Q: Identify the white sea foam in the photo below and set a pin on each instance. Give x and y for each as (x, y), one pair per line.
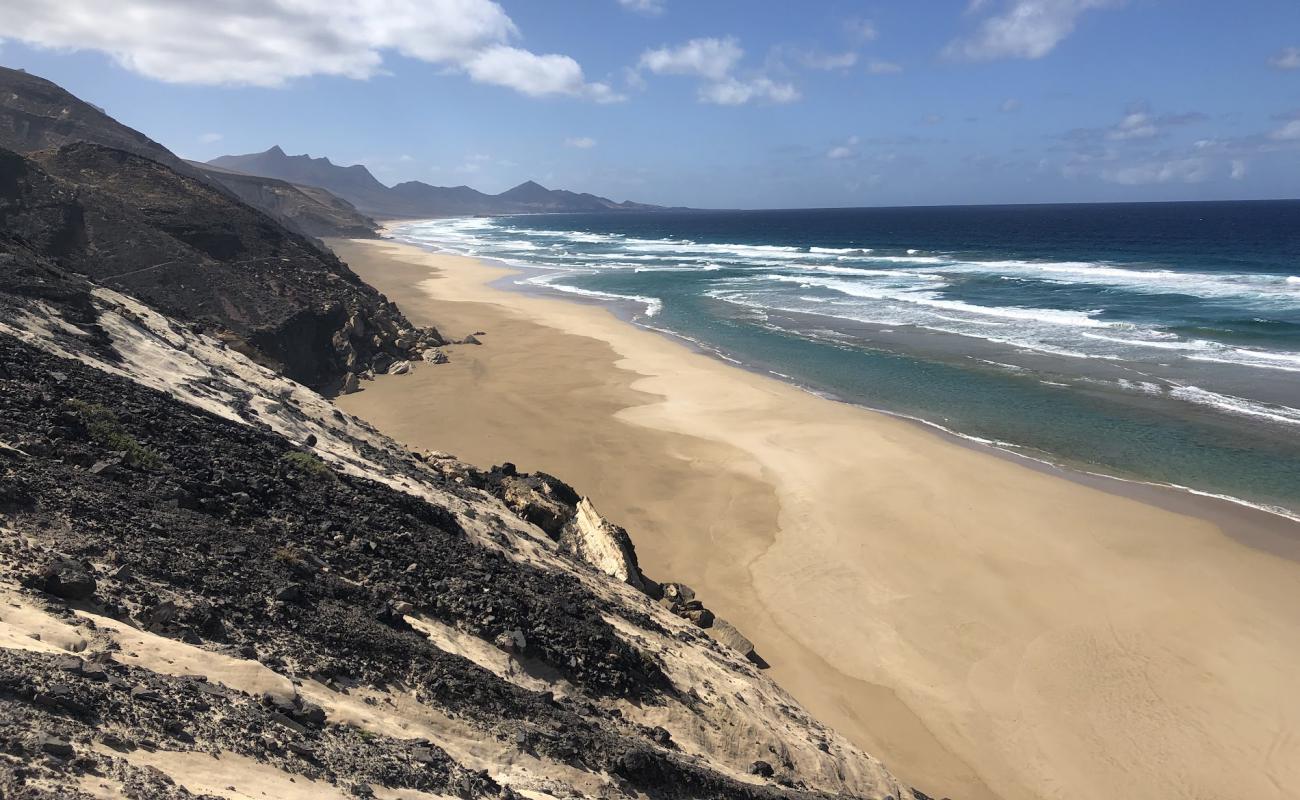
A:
(850, 251)
(1239, 406)
(932, 299)
(653, 305)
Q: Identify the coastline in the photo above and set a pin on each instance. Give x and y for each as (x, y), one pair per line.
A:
(903, 585)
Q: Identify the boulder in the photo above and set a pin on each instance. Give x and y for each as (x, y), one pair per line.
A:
(55, 746)
(761, 769)
(602, 544)
(726, 633)
(435, 356)
(69, 580)
(678, 593)
(351, 384)
(534, 501)
(400, 368)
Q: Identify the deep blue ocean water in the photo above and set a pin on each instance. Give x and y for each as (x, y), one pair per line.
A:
(1155, 342)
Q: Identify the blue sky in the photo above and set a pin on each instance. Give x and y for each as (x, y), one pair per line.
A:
(711, 103)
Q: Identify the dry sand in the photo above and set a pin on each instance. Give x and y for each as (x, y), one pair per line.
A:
(986, 627)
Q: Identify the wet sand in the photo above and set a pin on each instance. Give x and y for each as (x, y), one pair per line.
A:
(986, 627)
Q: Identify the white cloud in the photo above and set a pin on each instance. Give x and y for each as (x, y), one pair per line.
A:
(580, 142)
(535, 75)
(714, 60)
(1137, 125)
(1009, 105)
(862, 29)
(1238, 169)
(883, 68)
(1289, 58)
(735, 92)
(708, 58)
(210, 138)
(843, 151)
(1289, 132)
(932, 119)
(1183, 170)
(1024, 29)
(648, 7)
(270, 42)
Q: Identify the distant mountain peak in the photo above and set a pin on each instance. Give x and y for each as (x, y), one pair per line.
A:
(413, 198)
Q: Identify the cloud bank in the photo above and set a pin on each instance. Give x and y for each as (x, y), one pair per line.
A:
(269, 43)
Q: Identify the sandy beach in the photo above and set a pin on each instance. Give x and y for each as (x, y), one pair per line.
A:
(988, 628)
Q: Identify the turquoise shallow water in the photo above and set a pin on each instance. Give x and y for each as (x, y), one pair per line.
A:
(1156, 342)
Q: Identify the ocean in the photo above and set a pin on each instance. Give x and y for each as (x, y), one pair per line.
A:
(1155, 342)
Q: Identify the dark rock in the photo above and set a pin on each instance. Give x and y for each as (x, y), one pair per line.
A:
(55, 746)
(762, 769)
(69, 580)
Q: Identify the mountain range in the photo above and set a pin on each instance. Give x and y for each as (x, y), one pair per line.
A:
(359, 187)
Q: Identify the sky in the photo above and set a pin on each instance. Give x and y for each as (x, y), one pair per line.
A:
(710, 103)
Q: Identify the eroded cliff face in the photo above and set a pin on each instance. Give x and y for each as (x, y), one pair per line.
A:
(214, 578)
(203, 257)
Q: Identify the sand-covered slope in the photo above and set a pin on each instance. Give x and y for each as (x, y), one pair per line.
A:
(217, 584)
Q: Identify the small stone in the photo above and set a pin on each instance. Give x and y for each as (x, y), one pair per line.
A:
(143, 692)
(762, 769)
(402, 608)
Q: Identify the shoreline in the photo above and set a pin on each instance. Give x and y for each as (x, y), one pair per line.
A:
(1151, 491)
(906, 591)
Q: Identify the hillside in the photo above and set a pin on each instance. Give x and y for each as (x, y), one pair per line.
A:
(313, 210)
(200, 255)
(414, 198)
(36, 114)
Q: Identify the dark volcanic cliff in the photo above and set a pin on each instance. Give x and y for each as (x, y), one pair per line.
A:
(200, 255)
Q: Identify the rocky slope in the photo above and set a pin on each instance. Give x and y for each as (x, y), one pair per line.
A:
(36, 114)
(312, 210)
(415, 198)
(200, 255)
(217, 584)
